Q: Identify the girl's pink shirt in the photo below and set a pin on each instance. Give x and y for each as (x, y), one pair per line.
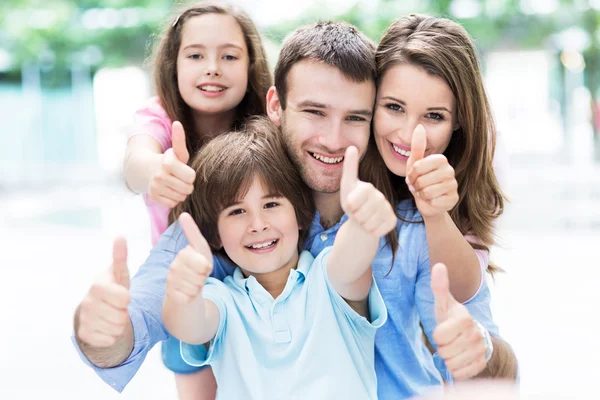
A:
(152, 120)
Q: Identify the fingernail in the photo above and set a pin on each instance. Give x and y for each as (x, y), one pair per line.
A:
(407, 181)
(411, 188)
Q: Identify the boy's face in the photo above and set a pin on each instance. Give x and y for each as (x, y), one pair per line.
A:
(260, 233)
(325, 114)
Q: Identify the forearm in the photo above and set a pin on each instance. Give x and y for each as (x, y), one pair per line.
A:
(139, 167)
(349, 264)
(503, 363)
(106, 357)
(187, 322)
(447, 245)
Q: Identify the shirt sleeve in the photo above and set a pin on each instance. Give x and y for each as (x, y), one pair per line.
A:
(152, 120)
(145, 308)
(377, 309)
(198, 355)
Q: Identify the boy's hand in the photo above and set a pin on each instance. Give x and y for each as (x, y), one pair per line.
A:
(364, 204)
(430, 179)
(174, 180)
(191, 267)
(103, 314)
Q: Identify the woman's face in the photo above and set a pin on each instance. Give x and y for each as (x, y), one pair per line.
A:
(407, 97)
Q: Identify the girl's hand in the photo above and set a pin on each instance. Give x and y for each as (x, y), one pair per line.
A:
(192, 266)
(174, 179)
(364, 204)
(430, 179)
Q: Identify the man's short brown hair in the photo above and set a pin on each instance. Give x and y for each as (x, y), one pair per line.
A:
(225, 168)
(338, 44)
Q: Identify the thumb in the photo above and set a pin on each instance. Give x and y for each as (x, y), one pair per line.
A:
(178, 142)
(417, 146)
(119, 266)
(440, 287)
(194, 236)
(349, 172)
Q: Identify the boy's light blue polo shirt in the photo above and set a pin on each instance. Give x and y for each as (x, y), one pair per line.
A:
(306, 344)
(404, 367)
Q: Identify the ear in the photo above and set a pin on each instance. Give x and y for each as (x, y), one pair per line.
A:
(274, 106)
(456, 127)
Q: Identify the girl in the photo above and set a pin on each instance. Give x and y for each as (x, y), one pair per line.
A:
(434, 130)
(210, 74)
(284, 320)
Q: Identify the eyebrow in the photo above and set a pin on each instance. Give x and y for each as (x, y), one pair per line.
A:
(222, 46)
(314, 104)
(404, 104)
(266, 196)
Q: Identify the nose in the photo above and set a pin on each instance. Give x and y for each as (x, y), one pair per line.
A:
(332, 137)
(258, 223)
(212, 68)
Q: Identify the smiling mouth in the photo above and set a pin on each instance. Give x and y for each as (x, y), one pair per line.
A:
(264, 245)
(326, 160)
(211, 89)
(400, 151)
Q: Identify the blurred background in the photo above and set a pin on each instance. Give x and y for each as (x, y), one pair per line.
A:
(73, 71)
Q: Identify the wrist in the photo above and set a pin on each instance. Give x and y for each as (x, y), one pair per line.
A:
(437, 218)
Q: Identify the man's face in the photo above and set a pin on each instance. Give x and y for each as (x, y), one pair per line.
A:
(325, 113)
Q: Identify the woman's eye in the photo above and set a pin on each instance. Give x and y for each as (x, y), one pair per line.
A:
(435, 116)
(271, 204)
(195, 56)
(237, 211)
(229, 57)
(393, 107)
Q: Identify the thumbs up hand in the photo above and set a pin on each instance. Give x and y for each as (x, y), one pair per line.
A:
(430, 178)
(103, 315)
(192, 266)
(460, 342)
(364, 204)
(174, 179)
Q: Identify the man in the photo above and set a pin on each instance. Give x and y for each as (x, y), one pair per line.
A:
(323, 102)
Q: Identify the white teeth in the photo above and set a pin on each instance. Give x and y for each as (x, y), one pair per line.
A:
(262, 245)
(327, 160)
(400, 151)
(212, 88)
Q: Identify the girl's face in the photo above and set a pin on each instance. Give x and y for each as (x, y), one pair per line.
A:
(408, 96)
(212, 64)
(260, 232)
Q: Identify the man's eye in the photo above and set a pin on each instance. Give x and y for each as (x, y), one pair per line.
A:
(356, 118)
(315, 112)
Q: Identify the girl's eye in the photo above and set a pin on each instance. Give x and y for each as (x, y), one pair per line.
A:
(271, 204)
(229, 57)
(195, 56)
(393, 107)
(435, 116)
(237, 211)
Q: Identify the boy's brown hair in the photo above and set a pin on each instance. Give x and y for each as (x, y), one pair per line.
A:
(165, 67)
(225, 168)
(337, 44)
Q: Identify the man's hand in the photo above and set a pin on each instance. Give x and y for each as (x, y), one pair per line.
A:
(430, 179)
(192, 266)
(102, 314)
(174, 180)
(364, 204)
(460, 342)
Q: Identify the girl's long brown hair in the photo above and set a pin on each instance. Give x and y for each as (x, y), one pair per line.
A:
(443, 48)
(165, 68)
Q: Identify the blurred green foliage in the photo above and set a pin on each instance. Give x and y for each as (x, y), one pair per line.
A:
(59, 33)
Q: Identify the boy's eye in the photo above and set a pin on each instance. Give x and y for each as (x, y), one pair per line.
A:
(237, 211)
(394, 107)
(271, 204)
